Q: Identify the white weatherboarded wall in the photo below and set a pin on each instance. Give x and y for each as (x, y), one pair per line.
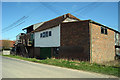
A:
(69, 20)
(51, 41)
(37, 25)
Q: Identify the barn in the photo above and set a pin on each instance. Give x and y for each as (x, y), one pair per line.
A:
(67, 37)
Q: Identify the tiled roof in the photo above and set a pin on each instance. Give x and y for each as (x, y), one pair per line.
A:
(54, 22)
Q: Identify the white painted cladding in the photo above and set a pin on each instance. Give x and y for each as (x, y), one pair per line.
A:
(51, 41)
(37, 25)
(69, 20)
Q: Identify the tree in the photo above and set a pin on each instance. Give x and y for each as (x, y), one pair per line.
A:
(6, 44)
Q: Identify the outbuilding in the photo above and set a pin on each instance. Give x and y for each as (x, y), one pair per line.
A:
(70, 38)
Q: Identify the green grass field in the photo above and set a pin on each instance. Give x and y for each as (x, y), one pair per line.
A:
(86, 66)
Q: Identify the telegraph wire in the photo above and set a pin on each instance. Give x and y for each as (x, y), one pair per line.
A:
(85, 7)
(25, 17)
(10, 27)
(15, 23)
(50, 8)
(14, 26)
(92, 8)
(47, 6)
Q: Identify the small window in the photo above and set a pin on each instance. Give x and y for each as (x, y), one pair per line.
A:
(50, 33)
(46, 33)
(106, 31)
(102, 30)
(43, 34)
(40, 35)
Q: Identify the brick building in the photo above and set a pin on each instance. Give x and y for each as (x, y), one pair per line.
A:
(71, 38)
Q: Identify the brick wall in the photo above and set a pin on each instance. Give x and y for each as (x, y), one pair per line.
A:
(75, 40)
(30, 50)
(103, 46)
(37, 52)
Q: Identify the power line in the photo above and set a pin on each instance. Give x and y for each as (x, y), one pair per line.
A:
(92, 8)
(25, 17)
(14, 26)
(50, 8)
(10, 27)
(15, 23)
(86, 9)
(21, 19)
(83, 8)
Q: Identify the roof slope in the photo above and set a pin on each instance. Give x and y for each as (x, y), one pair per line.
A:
(54, 22)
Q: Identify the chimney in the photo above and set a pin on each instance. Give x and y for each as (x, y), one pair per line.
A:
(64, 15)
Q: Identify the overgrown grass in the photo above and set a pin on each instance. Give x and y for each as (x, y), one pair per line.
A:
(86, 66)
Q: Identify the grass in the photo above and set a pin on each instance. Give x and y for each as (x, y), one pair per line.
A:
(86, 66)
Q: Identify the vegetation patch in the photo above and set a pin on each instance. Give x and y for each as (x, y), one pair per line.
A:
(86, 66)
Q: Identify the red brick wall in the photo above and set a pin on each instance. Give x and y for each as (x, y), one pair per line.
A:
(75, 40)
(103, 46)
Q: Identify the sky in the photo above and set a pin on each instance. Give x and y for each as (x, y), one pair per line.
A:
(18, 15)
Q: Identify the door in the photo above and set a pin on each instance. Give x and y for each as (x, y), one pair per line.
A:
(45, 53)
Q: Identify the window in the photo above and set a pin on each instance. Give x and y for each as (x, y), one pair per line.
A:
(40, 35)
(105, 30)
(50, 33)
(102, 30)
(46, 33)
(43, 34)
(20, 41)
